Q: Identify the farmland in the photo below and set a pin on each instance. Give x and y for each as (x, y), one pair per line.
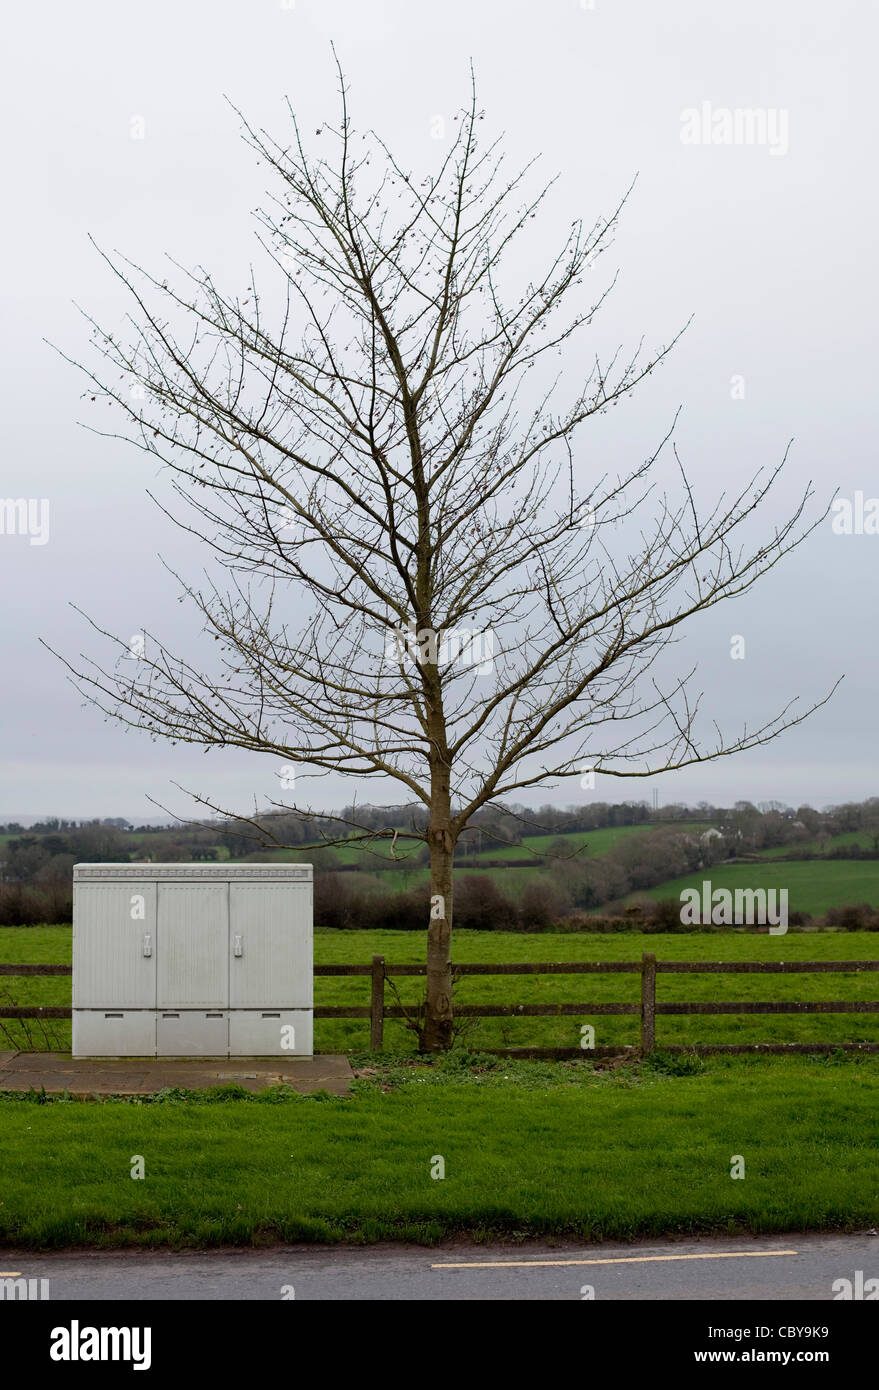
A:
(814, 886)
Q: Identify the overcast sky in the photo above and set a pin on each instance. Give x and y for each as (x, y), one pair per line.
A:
(770, 246)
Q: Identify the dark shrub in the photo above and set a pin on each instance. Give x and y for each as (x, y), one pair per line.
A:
(852, 916)
(666, 915)
(541, 905)
(23, 905)
(481, 906)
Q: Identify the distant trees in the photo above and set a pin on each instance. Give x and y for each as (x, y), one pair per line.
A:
(365, 891)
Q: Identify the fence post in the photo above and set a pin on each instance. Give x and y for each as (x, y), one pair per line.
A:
(648, 1002)
(377, 1005)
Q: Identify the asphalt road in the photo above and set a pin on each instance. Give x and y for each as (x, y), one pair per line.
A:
(773, 1267)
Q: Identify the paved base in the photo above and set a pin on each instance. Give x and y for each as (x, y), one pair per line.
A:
(141, 1076)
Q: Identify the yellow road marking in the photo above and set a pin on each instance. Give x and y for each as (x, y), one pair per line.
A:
(10, 1273)
(622, 1260)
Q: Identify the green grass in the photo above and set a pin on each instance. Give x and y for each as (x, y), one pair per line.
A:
(339, 1035)
(529, 1150)
(813, 886)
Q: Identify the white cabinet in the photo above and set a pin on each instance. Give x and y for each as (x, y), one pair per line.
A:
(179, 960)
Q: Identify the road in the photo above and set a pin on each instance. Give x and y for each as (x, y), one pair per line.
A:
(771, 1267)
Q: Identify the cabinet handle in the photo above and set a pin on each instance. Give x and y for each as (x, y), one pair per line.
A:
(237, 947)
(148, 945)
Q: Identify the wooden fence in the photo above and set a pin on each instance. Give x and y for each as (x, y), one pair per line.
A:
(646, 1009)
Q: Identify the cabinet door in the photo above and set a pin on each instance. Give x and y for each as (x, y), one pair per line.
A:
(270, 958)
(192, 936)
(114, 945)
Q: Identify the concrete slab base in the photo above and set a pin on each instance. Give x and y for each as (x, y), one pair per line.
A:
(55, 1072)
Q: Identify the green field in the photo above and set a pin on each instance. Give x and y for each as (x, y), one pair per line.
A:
(337, 947)
(599, 841)
(404, 879)
(404, 874)
(813, 886)
(378, 871)
(861, 838)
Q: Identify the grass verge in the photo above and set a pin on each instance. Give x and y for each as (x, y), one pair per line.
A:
(530, 1149)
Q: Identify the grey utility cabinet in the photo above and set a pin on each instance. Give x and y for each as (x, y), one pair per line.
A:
(192, 960)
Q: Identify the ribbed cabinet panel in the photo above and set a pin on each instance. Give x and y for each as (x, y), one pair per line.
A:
(271, 924)
(192, 965)
(111, 926)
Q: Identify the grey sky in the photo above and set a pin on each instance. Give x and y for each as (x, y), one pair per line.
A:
(771, 251)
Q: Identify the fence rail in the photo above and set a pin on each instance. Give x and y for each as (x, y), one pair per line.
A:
(379, 972)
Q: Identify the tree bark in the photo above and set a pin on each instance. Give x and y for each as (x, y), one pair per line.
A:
(436, 1030)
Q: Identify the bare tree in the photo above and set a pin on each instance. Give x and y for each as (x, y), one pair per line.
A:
(416, 584)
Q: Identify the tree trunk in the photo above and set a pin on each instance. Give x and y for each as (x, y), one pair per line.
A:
(436, 1031)
(436, 1026)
